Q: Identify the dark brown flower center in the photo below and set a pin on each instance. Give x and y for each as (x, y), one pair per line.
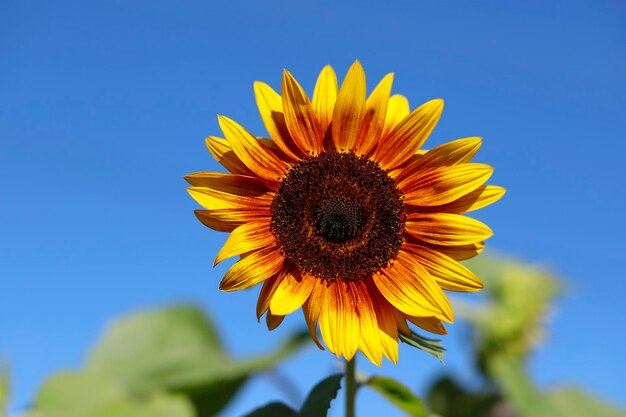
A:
(338, 215)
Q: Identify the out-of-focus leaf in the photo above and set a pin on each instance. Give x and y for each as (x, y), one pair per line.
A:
(447, 398)
(432, 346)
(318, 401)
(529, 402)
(275, 409)
(316, 404)
(572, 402)
(509, 375)
(519, 297)
(92, 395)
(177, 349)
(4, 389)
(399, 395)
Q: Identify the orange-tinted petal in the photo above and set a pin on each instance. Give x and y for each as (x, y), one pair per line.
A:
(409, 135)
(449, 274)
(260, 160)
(229, 183)
(374, 117)
(443, 185)
(213, 199)
(265, 295)
(246, 238)
(387, 325)
(369, 343)
(270, 105)
(430, 324)
(301, 119)
(430, 289)
(252, 268)
(398, 284)
(312, 308)
(397, 109)
(325, 96)
(293, 290)
(339, 322)
(446, 229)
(226, 220)
(479, 198)
(459, 253)
(223, 153)
(456, 152)
(349, 109)
(273, 321)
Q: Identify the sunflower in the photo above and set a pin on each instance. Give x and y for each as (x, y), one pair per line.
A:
(341, 213)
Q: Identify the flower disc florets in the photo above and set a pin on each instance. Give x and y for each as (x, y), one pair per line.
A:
(338, 215)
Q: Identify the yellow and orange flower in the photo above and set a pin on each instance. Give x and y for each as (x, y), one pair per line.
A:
(341, 213)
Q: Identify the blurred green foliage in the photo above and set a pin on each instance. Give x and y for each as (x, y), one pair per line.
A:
(170, 362)
(504, 330)
(4, 389)
(316, 404)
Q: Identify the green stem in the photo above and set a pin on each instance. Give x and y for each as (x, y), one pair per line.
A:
(350, 387)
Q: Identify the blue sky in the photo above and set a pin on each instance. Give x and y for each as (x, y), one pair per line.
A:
(104, 106)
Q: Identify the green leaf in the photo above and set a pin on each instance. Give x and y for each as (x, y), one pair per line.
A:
(4, 389)
(177, 349)
(573, 402)
(274, 409)
(447, 398)
(432, 346)
(529, 402)
(92, 395)
(316, 404)
(318, 401)
(399, 395)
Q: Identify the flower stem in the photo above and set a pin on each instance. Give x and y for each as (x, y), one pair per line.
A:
(350, 386)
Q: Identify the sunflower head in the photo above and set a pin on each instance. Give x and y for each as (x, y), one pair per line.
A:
(343, 214)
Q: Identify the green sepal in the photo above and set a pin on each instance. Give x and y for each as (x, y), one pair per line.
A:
(432, 346)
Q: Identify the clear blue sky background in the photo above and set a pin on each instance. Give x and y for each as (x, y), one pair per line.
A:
(104, 106)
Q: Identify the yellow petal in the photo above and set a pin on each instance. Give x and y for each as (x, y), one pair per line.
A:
(387, 326)
(430, 324)
(451, 153)
(252, 268)
(301, 119)
(458, 151)
(461, 252)
(430, 289)
(446, 229)
(312, 308)
(374, 117)
(443, 185)
(222, 152)
(479, 198)
(246, 238)
(213, 199)
(270, 106)
(260, 160)
(449, 274)
(369, 343)
(339, 323)
(294, 289)
(397, 109)
(325, 96)
(229, 183)
(349, 109)
(409, 135)
(226, 220)
(398, 285)
(273, 321)
(265, 295)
